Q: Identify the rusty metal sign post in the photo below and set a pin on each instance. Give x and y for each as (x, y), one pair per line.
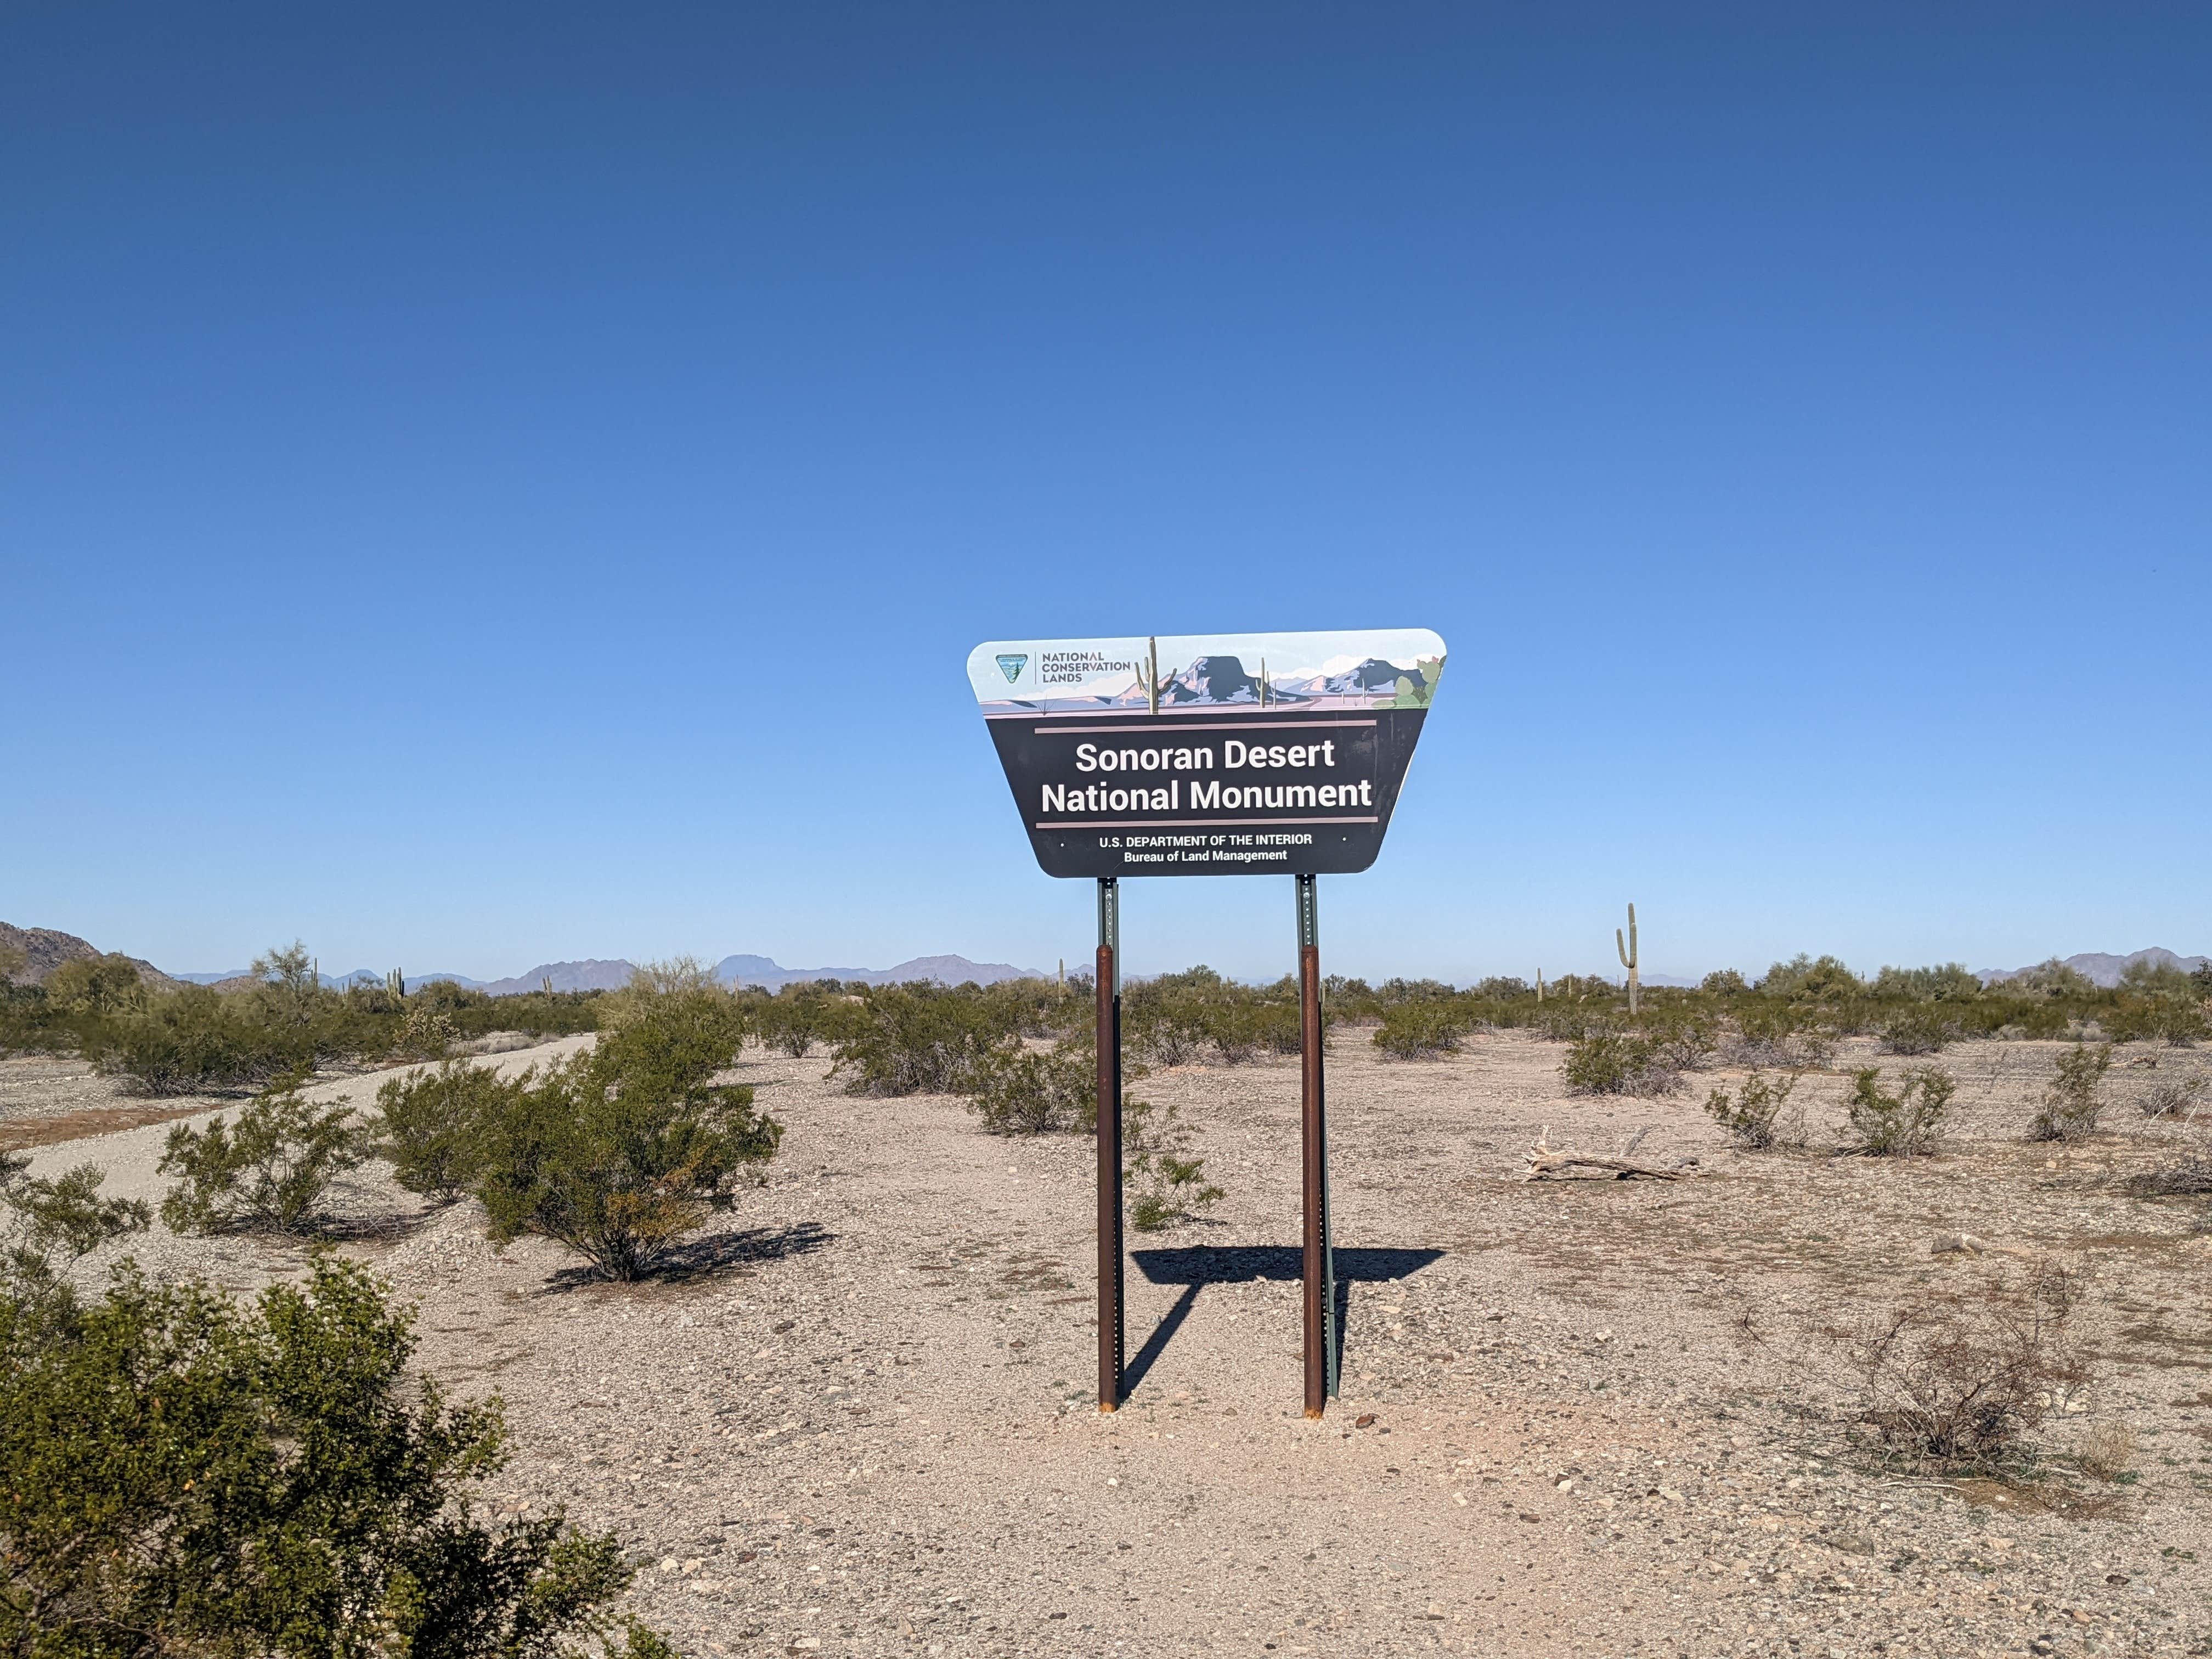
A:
(1210, 770)
(1111, 1323)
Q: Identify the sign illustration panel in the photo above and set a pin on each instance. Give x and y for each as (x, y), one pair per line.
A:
(1207, 755)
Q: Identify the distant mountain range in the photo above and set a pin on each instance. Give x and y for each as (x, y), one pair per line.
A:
(593, 974)
(43, 950)
(2101, 967)
(951, 970)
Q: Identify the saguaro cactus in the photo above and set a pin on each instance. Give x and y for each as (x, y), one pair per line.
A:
(1540, 985)
(396, 982)
(1627, 949)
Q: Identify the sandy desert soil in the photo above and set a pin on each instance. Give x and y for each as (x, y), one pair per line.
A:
(1590, 1418)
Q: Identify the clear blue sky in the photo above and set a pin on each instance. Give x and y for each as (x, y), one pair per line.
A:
(468, 475)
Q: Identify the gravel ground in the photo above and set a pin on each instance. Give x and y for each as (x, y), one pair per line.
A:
(1594, 1418)
(44, 1100)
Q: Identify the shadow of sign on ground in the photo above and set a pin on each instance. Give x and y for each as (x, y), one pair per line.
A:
(1195, 1267)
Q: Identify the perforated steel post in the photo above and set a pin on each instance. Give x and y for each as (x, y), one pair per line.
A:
(1109, 1144)
(1320, 1274)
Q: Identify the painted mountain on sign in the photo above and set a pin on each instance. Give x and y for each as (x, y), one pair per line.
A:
(1211, 680)
(1225, 682)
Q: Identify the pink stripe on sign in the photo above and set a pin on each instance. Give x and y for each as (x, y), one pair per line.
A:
(1197, 823)
(1195, 726)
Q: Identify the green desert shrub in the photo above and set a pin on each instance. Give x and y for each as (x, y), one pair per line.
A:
(1806, 980)
(2032, 1019)
(102, 986)
(1915, 1031)
(1164, 1022)
(2135, 1017)
(1723, 982)
(1951, 981)
(1174, 1018)
(1901, 1125)
(1414, 990)
(1165, 1185)
(2052, 980)
(919, 1039)
(797, 1017)
(47, 1225)
(1752, 1114)
(1791, 1035)
(1582, 987)
(2073, 1100)
(1421, 1029)
(189, 1476)
(621, 1152)
(1619, 1063)
(432, 1124)
(426, 1032)
(28, 1025)
(1261, 1024)
(1682, 1039)
(272, 1174)
(1021, 1091)
(540, 1013)
(2157, 979)
(194, 1039)
(1566, 1022)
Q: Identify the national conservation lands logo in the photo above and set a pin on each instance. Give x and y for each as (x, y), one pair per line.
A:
(1011, 665)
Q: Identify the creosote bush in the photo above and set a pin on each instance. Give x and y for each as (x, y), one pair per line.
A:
(800, 1016)
(1957, 1385)
(187, 1476)
(1752, 1114)
(1175, 1019)
(1020, 1091)
(1421, 1030)
(1620, 1063)
(47, 1226)
(1901, 1125)
(270, 1175)
(621, 1152)
(433, 1124)
(2072, 1100)
(194, 1039)
(1781, 1034)
(1164, 1185)
(1915, 1031)
(921, 1039)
